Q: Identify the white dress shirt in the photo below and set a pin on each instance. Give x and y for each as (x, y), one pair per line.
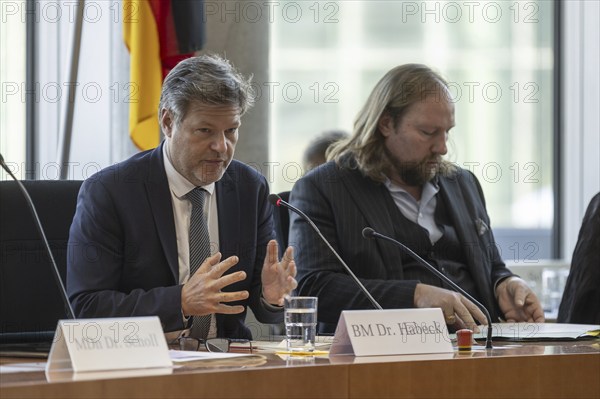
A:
(421, 212)
(182, 211)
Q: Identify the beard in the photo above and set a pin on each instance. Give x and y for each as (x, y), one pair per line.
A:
(415, 173)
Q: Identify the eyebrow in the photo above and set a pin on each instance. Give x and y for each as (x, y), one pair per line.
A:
(212, 125)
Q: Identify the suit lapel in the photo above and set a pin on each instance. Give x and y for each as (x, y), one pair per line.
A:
(229, 229)
(464, 222)
(159, 197)
(229, 214)
(373, 201)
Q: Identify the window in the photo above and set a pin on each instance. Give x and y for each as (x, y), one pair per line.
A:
(12, 83)
(498, 57)
(100, 104)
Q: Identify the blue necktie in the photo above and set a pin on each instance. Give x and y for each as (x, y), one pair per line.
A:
(199, 251)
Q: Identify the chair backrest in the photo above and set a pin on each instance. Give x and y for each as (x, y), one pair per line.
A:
(30, 301)
(281, 220)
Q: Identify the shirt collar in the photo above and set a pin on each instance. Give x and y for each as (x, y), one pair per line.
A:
(430, 188)
(179, 185)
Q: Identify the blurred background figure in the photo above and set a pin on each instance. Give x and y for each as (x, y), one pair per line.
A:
(581, 299)
(314, 155)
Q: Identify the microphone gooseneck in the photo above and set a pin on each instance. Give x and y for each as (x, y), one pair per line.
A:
(38, 224)
(277, 201)
(369, 233)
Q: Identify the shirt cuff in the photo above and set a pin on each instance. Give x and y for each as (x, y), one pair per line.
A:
(501, 279)
(185, 318)
(269, 306)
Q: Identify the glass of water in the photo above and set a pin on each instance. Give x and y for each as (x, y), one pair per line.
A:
(300, 323)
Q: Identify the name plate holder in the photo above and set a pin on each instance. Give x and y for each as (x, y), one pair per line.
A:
(391, 332)
(121, 343)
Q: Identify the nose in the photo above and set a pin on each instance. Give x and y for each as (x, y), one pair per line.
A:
(219, 143)
(439, 145)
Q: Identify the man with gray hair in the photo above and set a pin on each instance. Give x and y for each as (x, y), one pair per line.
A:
(182, 231)
(390, 176)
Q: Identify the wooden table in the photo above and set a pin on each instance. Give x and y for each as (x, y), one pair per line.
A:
(535, 370)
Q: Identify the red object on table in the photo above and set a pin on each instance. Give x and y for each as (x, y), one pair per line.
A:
(464, 340)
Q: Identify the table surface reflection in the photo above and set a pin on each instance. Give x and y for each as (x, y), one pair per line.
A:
(541, 369)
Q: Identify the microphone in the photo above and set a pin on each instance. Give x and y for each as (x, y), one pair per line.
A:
(276, 200)
(38, 224)
(369, 233)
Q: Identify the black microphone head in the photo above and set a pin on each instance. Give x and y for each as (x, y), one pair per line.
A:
(274, 199)
(368, 232)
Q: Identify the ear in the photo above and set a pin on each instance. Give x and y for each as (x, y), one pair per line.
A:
(386, 124)
(166, 122)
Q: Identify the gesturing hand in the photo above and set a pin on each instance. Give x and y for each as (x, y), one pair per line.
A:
(278, 278)
(202, 295)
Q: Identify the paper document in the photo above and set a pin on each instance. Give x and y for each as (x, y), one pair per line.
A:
(322, 343)
(194, 356)
(540, 331)
(215, 359)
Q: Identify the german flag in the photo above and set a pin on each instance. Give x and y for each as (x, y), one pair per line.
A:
(158, 34)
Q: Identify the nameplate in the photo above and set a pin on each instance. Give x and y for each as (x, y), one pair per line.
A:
(391, 332)
(108, 344)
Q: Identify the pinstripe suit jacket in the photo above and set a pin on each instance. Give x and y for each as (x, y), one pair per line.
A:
(342, 202)
(122, 258)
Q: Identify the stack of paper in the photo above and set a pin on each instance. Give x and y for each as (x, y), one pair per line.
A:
(540, 331)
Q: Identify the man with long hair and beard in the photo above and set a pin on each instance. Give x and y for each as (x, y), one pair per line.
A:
(390, 175)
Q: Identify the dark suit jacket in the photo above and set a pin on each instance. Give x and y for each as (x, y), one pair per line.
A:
(342, 202)
(123, 259)
(581, 299)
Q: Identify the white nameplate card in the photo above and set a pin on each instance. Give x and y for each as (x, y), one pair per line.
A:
(391, 332)
(108, 344)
